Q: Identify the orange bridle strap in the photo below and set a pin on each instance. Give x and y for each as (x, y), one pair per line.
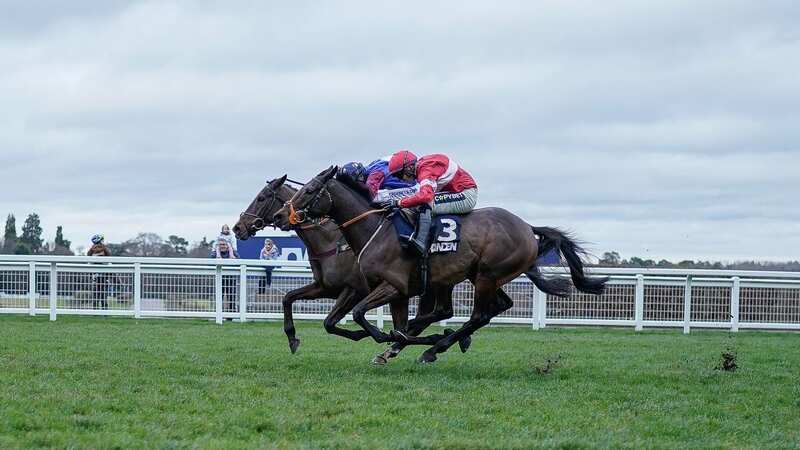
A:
(292, 212)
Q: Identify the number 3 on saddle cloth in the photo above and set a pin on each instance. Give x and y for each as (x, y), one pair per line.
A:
(446, 231)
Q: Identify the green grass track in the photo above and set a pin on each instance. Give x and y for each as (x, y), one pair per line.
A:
(94, 382)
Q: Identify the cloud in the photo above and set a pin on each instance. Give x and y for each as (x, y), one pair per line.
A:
(659, 127)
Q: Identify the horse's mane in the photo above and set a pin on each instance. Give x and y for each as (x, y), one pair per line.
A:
(355, 186)
(361, 197)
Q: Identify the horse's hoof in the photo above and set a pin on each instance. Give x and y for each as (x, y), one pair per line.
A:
(427, 358)
(464, 344)
(379, 360)
(293, 345)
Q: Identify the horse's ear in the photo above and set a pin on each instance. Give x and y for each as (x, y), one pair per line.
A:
(279, 182)
(330, 173)
(324, 173)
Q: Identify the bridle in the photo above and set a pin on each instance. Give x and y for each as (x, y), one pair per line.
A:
(258, 222)
(300, 216)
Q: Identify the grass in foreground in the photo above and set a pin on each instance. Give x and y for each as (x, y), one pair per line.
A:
(123, 383)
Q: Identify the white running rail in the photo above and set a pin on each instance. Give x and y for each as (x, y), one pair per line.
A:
(238, 289)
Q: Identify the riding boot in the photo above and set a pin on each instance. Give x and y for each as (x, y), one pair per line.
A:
(422, 236)
(422, 243)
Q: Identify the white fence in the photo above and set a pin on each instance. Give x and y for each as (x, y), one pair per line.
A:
(238, 289)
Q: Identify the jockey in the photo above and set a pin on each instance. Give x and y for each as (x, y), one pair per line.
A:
(374, 180)
(445, 187)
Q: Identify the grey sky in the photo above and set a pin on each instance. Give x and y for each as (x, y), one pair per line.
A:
(658, 129)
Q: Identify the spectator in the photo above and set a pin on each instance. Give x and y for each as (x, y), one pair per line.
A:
(226, 235)
(269, 252)
(101, 280)
(225, 251)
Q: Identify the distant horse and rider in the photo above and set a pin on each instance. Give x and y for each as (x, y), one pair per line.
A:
(410, 229)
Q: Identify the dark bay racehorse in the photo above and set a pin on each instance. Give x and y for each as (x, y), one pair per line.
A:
(335, 273)
(496, 247)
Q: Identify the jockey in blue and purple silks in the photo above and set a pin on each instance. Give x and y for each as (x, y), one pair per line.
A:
(376, 181)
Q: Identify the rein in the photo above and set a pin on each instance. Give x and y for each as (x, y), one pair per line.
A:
(360, 217)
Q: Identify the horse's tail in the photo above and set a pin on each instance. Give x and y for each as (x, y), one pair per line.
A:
(573, 253)
(558, 286)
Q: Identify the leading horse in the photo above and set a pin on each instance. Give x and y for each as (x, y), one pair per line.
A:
(496, 247)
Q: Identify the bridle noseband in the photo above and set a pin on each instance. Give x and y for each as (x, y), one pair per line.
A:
(300, 216)
(259, 223)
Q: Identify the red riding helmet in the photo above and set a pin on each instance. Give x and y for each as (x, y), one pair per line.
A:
(400, 160)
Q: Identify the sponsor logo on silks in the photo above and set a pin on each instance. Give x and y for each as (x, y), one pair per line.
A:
(449, 197)
(395, 194)
(447, 234)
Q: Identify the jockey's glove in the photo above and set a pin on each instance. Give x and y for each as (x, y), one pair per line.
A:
(389, 204)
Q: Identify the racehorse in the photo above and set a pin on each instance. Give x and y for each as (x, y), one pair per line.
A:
(335, 274)
(496, 247)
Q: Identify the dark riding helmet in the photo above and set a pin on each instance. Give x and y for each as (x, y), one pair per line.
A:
(353, 171)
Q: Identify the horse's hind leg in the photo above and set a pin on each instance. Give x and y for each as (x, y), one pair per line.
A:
(487, 305)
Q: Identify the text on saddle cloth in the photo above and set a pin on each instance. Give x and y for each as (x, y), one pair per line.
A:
(446, 232)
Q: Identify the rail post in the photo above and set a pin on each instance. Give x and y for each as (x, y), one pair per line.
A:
(735, 298)
(537, 299)
(137, 290)
(542, 310)
(687, 304)
(380, 317)
(32, 288)
(638, 312)
(53, 290)
(242, 293)
(218, 294)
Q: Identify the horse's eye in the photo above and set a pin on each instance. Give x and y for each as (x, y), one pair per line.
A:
(260, 198)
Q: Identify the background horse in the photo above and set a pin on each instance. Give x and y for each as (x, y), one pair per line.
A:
(495, 248)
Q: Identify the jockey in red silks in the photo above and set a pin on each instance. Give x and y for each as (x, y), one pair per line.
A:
(444, 188)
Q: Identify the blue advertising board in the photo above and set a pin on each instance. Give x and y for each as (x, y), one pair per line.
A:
(291, 247)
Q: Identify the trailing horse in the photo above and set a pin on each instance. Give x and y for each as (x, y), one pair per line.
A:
(495, 248)
(335, 273)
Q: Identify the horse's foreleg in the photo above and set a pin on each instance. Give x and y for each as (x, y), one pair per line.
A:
(309, 291)
(344, 304)
(436, 306)
(380, 296)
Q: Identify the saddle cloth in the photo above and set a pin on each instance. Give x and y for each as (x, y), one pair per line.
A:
(445, 230)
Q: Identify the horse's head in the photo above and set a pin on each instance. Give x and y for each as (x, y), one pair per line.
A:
(311, 202)
(259, 214)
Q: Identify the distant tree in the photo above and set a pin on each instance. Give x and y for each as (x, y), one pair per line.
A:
(665, 264)
(10, 235)
(610, 259)
(176, 246)
(22, 249)
(636, 262)
(61, 245)
(146, 244)
(200, 249)
(32, 233)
